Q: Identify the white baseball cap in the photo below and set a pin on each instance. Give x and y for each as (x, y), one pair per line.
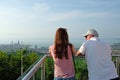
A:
(92, 32)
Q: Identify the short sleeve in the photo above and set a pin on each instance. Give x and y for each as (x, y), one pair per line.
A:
(82, 49)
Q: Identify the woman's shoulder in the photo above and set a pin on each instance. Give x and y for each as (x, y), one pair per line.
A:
(51, 46)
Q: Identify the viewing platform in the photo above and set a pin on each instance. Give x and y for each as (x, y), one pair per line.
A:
(40, 67)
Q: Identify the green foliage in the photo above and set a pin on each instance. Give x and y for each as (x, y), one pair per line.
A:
(10, 65)
(3, 65)
(81, 69)
(49, 69)
(38, 74)
(29, 59)
(14, 65)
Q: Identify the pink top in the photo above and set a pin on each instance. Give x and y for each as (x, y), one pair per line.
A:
(63, 68)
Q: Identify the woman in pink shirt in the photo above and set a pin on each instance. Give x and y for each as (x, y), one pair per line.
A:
(61, 52)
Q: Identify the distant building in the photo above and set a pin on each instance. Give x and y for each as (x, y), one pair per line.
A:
(13, 46)
(19, 45)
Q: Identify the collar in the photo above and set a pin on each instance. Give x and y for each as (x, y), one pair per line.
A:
(94, 38)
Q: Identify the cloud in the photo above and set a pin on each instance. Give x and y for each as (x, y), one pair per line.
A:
(77, 14)
(14, 17)
(38, 12)
(42, 12)
(63, 16)
(40, 7)
(35, 18)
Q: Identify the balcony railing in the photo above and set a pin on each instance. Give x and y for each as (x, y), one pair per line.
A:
(39, 65)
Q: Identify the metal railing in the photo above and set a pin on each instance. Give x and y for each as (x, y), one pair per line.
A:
(117, 62)
(30, 74)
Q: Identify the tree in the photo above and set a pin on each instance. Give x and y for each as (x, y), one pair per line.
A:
(29, 59)
(3, 65)
(10, 65)
(49, 69)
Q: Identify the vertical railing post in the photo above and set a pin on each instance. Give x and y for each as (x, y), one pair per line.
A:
(33, 77)
(118, 64)
(21, 60)
(43, 71)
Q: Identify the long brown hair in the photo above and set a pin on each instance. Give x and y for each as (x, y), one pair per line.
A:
(61, 43)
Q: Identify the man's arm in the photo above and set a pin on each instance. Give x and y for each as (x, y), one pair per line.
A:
(79, 53)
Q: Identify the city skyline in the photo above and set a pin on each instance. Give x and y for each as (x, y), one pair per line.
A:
(35, 20)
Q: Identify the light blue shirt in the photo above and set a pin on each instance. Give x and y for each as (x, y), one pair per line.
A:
(98, 56)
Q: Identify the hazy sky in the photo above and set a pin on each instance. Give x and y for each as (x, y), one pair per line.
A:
(39, 19)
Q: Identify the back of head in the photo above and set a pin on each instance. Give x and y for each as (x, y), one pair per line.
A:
(61, 36)
(92, 32)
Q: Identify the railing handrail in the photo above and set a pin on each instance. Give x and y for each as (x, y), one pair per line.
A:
(115, 55)
(40, 62)
(34, 69)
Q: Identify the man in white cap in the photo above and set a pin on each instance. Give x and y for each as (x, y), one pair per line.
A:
(98, 56)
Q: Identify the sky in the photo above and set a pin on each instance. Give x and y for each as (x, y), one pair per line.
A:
(38, 20)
